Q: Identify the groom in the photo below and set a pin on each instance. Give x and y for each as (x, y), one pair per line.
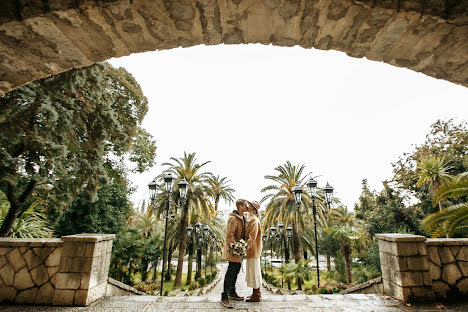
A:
(235, 231)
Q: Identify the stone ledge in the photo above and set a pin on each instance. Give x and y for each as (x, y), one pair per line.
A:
(125, 287)
(389, 237)
(447, 241)
(88, 238)
(32, 242)
(367, 284)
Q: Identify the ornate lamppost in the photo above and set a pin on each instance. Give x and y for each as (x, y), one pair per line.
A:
(212, 246)
(272, 235)
(168, 185)
(312, 191)
(264, 239)
(280, 236)
(206, 237)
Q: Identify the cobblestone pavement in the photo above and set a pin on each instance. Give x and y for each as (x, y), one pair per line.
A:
(270, 303)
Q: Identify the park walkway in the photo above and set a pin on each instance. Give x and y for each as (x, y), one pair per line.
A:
(270, 303)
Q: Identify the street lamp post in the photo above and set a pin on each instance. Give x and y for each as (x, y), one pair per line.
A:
(206, 230)
(272, 235)
(264, 237)
(168, 185)
(281, 240)
(212, 245)
(312, 190)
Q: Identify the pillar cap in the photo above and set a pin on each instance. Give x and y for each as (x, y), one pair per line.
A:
(88, 238)
(392, 237)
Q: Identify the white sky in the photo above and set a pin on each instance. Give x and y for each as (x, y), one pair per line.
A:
(250, 108)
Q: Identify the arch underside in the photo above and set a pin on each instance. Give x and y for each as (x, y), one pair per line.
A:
(43, 38)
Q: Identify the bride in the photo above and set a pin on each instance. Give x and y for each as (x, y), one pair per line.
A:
(253, 275)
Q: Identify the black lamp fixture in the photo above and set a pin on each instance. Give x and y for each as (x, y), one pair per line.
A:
(297, 191)
(289, 230)
(153, 189)
(183, 189)
(328, 190)
(168, 182)
(312, 187)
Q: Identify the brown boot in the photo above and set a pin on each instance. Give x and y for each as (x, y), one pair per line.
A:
(256, 296)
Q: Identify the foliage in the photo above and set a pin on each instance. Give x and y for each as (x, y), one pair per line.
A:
(106, 215)
(31, 223)
(451, 220)
(219, 188)
(446, 138)
(62, 135)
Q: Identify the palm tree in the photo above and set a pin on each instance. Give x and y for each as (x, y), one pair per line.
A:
(282, 206)
(346, 228)
(454, 218)
(219, 188)
(187, 168)
(432, 171)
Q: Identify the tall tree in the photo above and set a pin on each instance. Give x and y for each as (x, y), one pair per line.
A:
(60, 133)
(188, 168)
(219, 188)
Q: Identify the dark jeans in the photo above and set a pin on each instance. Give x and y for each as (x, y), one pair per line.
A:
(230, 279)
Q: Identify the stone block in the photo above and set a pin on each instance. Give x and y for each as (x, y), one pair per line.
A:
(433, 254)
(85, 278)
(73, 249)
(446, 255)
(387, 247)
(52, 270)
(392, 261)
(410, 249)
(43, 252)
(68, 280)
(79, 264)
(427, 280)
(32, 260)
(54, 258)
(417, 263)
(451, 273)
(81, 297)
(455, 250)
(7, 274)
(53, 280)
(90, 248)
(3, 261)
(435, 271)
(63, 297)
(26, 296)
(410, 279)
(440, 288)
(96, 292)
(396, 291)
(39, 275)
(63, 263)
(463, 254)
(463, 265)
(7, 293)
(4, 250)
(23, 279)
(22, 250)
(45, 294)
(462, 285)
(16, 260)
(422, 293)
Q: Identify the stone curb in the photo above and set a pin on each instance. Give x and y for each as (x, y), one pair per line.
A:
(207, 288)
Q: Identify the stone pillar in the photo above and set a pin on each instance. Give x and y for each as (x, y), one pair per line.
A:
(405, 268)
(84, 267)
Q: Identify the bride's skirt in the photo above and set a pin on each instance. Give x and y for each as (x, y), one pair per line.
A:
(253, 275)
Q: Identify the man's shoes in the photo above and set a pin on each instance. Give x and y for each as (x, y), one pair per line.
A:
(235, 296)
(226, 303)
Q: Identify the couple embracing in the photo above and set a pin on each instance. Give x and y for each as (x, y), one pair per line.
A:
(243, 223)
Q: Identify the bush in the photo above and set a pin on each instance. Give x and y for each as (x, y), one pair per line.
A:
(201, 281)
(193, 286)
(208, 279)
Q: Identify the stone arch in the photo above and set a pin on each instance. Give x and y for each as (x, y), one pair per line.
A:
(39, 38)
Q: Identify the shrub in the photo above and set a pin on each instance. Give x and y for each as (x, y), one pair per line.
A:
(208, 279)
(201, 281)
(193, 286)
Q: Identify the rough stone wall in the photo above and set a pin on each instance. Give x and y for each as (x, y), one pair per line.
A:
(405, 269)
(72, 270)
(28, 270)
(43, 38)
(448, 265)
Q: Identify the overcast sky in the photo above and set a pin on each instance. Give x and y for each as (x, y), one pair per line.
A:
(250, 108)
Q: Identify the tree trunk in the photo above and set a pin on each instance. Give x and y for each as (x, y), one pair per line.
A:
(168, 270)
(199, 264)
(190, 264)
(346, 252)
(144, 271)
(155, 272)
(180, 262)
(328, 263)
(298, 253)
(15, 206)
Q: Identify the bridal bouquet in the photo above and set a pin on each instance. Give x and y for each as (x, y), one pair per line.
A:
(239, 248)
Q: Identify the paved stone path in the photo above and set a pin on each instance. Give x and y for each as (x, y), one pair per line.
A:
(270, 303)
